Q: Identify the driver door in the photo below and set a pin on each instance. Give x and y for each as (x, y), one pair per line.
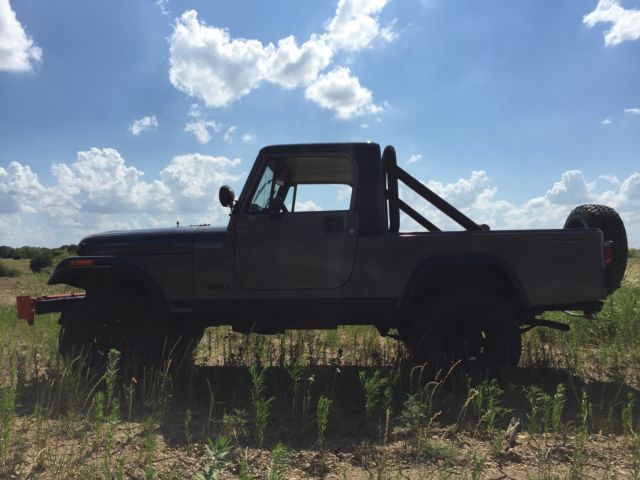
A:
(294, 234)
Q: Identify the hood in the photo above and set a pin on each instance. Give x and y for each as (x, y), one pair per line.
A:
(155, 241)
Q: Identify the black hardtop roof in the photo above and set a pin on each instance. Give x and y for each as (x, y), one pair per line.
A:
(356, 149)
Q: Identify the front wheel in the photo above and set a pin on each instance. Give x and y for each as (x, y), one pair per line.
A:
(471, 326)
(129, 323)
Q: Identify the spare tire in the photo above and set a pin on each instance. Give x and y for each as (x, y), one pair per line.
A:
(606, 219)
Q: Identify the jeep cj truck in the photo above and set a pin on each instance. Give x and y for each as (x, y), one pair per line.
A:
(450, 295)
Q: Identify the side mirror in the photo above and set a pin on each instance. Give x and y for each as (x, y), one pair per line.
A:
(226, 196)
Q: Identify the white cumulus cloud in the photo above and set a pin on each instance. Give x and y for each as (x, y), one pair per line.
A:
(207, 63)
(228, 135)
(18, 51)
(463, 192)
(625, 23)
(100, 190)
(571, 189)
(341, 92)
(632, 111)
(415, 158)
(248, 137)
(610, 179)
(355, 25)
(201, 127)
(307, 206)
(144, 124)
(163, 5)
(20, 189)
(291, 66)
(193, 181)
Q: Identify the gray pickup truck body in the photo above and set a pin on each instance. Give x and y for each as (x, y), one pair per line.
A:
(274, 269)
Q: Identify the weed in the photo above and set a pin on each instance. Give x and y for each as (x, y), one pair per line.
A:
(627, 415)
(322, 418)
(585, 409)
(539, 420)
(306, 401)
(212, 409)
(279, 462)
(472, 393)
(635, 459)
(296, 374)
(129, 392)
(387, 399)
(235, 424)
(414, 412)
(557, 408)
(106, 412)
(150, 429)
(579, 457)
(261, 404)
(8, 395)
(372, 385)
(498, 442)
(244, 469)
(477, 466)
(188, 436)
(436, 450)
(215, 461)
(487, 405)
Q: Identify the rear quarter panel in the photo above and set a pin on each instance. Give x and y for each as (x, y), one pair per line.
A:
(553, 267)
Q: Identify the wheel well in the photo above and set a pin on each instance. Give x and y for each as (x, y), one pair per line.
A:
(489, 277)
(114, 278)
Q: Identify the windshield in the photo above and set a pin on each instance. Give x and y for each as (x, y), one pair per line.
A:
(262, 197)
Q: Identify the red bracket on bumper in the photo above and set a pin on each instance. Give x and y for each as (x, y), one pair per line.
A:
(27, 307)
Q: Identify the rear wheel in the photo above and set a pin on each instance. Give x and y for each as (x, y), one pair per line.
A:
(607, 220)
(471, 326)
(129, 323)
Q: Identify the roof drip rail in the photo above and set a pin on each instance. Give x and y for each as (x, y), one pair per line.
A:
(394, 174)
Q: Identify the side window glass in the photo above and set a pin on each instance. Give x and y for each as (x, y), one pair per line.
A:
(321, 197)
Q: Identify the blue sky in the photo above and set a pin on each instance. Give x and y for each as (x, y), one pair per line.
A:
(124, 114)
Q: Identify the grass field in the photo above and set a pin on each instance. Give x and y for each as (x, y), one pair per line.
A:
(324, 404)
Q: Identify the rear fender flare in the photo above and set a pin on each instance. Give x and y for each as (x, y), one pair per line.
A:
(423, 276)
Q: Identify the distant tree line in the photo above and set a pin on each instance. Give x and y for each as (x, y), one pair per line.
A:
(40, 257)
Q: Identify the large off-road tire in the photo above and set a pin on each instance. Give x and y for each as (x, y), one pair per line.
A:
(467, 325)
(127, 322)
(607, 220)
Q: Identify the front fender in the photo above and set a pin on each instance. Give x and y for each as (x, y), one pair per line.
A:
(99, 272)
